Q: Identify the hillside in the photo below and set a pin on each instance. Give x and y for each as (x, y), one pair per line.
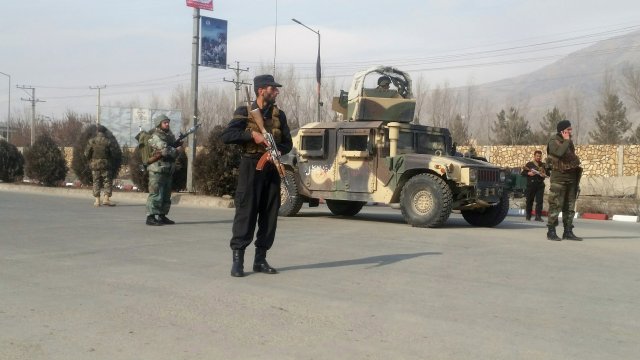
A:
(578, 76)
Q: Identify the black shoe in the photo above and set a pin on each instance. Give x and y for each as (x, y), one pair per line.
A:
(538, 218)
(551, 234)
(151, 220)
(528, 217)
(237, 268)
(569, 235)
(165, 220)
(260, 263)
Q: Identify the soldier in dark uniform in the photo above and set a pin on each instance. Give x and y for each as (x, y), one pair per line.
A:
(257, 197)
(565, 179)
(100, 156)
(535, 173)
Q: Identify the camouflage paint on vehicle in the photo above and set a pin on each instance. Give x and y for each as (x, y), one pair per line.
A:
(376, 151)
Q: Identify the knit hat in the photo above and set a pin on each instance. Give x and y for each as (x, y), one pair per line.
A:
(562, 125)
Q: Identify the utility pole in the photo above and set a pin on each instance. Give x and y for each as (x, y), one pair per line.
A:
(191, 140)
(237, 82)
(98, 87)
(33, 101)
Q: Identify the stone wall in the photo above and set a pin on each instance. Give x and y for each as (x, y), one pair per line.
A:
(597, 160)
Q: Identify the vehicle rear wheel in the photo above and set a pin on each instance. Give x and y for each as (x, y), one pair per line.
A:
(290, 199)
(345, 207)
(488, 217)
(426, 201)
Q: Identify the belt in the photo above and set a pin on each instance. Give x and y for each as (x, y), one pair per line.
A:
(252, 155)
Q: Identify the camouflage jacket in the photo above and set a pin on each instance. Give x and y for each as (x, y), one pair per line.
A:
(162, 141)
(98, 152)
(562, 155)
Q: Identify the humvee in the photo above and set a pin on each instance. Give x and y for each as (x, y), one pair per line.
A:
(377, 154)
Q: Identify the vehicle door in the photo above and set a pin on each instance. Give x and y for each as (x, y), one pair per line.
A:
(356, 162)
(316, 159)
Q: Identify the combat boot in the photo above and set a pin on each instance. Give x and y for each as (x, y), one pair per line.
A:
(237, 268)
(551, 234)
(260, 263)
(165, 220)
(539, 218)
(97, 202)
(569, 235)
(528, 216)
(107, 201)
(151, 220)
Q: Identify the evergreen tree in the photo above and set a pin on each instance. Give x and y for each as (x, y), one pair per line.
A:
(548, 125)
(511, 129)
(635, 137)
(45, 162)
(459, 130)
(612, 124)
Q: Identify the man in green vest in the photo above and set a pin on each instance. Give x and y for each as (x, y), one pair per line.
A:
(565, 179)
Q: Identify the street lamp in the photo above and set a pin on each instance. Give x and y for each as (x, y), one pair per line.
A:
(318, 69)
(8, 105)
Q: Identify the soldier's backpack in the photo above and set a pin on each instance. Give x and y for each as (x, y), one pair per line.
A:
(143, 145)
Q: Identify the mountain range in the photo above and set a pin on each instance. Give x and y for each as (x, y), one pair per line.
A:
(574, 83)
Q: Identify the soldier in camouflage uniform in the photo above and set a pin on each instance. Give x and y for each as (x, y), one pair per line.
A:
(258, 192)
(161, 172)
(99, 154)
(565, 179)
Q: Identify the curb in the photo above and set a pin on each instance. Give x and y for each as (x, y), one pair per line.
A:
(177, 199)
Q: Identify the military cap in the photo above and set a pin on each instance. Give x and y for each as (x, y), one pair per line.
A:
(159, 119)
(262, 81)
(564, 124)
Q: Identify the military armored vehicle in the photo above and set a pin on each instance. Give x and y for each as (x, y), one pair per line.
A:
(377, 154)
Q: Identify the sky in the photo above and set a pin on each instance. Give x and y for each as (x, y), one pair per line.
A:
(140, 49)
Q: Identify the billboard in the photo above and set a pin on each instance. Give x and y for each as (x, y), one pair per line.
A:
(125, 123)
(201, 4)
(213, 47)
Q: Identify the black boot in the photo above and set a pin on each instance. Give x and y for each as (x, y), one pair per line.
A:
(551, 234)
(151, 220)
(237, 269)
(569, 235)
(165, 220)
(539, 218)
(528, 216)
(260, 263)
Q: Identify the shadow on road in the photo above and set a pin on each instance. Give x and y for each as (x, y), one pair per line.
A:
(375, 261)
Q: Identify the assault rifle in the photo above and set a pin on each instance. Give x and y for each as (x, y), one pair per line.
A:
(536, 172)
(157, 155)
(272, 154)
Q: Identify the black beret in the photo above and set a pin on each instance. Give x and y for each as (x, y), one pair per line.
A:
(563, 125)
(262, 81)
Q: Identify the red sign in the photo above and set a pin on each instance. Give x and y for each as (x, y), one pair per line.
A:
(201, 4)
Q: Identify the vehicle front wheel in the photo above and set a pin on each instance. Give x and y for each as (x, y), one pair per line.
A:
(290, 199)
(488, 217)
(345, 207)
(426, 201)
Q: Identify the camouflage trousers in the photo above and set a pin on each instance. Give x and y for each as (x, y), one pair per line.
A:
(159, 200)
(101, 180)
(562, 197)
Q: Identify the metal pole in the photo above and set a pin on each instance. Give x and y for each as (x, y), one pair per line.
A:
(8, 106)
(33, 114)
(318, 69)
(191, 154)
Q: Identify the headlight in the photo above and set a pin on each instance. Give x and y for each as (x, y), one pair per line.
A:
(473, 175)
(503, 176)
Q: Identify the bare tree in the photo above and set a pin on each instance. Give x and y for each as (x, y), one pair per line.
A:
(631, 84)
(443, 105)
(421, 94)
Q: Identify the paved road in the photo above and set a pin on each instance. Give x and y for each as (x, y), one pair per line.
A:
(84, 283)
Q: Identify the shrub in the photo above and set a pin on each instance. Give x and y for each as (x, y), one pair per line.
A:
(80, 165)
(45, 162)
(11, 162)
(215, 169)
(141, 178)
